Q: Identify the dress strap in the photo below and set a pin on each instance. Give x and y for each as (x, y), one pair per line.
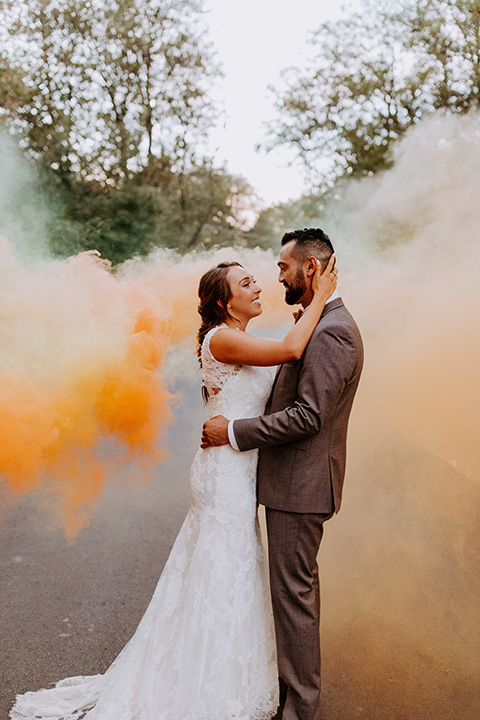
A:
(213, 330)
(210, 334)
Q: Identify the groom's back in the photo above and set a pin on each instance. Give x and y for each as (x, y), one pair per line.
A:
(306, 475)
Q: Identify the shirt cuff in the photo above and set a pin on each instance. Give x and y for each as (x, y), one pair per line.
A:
(231, 436)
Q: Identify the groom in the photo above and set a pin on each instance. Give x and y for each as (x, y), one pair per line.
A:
(301, 466)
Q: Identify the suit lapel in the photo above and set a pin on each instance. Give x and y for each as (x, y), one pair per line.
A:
(275, 380)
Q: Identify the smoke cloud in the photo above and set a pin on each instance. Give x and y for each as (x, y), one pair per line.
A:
(88, 370)
(401, 588)
(418, 298)
(81, 347)
(81, 351)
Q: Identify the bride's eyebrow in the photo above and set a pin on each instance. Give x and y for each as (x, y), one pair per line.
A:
(247, 277)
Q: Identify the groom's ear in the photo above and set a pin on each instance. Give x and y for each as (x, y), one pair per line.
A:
(310, 266)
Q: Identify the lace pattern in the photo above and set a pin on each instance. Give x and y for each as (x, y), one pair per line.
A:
(205, 649)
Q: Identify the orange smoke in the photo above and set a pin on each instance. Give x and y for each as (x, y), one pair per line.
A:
(418, 302)
(81, 352)
(81, 349)
(174, 279)
(399, 563)
(80, 360)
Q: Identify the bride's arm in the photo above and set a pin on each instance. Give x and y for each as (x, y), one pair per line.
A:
(231, 346)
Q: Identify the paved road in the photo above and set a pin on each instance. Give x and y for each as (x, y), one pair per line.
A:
(399, 575)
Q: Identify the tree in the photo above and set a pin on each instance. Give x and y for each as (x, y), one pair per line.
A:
(108, 84)
(282, 217)
(371, 75)
(112, 97)
(446, 37)
(157, 207)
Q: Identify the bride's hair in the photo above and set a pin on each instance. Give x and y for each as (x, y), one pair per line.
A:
(214, 293)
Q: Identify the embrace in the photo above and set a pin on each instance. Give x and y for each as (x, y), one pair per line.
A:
(226, 636)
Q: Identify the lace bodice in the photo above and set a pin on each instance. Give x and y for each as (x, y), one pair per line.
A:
(235, 391)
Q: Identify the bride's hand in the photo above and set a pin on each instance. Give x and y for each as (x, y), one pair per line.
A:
(323, 284)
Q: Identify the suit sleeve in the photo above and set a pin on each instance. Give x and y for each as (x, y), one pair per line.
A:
(328, 364)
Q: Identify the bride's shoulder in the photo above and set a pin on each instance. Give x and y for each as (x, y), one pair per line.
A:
(209, 335)
(213, 330)
(226, 337)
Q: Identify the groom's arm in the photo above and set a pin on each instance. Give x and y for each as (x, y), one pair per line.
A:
(328, 364)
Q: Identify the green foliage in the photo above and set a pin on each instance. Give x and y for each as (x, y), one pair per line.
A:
(280, 218)
(112, 98)
(157, 207)
(370, 76)
(446, 36)
(107, 85)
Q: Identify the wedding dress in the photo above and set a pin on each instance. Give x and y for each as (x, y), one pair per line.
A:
(205, 648)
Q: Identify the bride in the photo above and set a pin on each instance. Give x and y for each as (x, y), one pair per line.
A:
(205, 648)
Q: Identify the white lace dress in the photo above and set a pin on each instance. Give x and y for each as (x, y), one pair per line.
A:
(204, 650)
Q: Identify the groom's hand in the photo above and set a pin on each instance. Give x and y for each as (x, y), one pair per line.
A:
(215, 432)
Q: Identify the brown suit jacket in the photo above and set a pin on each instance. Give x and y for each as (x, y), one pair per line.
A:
(303, 434)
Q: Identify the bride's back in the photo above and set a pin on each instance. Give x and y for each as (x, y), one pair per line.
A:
(235, 391)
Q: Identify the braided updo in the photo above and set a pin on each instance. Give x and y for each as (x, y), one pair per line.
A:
(214, 293)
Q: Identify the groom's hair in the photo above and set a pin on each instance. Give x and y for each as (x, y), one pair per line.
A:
(310, 242)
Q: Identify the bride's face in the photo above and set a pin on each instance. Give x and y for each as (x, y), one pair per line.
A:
(245, 301)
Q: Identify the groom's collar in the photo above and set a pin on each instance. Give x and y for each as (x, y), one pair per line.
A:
(332, 304)
(333, 296)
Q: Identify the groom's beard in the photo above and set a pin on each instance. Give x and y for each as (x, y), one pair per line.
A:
(296, 289)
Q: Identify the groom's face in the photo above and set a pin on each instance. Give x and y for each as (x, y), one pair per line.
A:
(291, 275)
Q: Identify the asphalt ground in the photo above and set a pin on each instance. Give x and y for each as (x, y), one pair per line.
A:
(400, 582)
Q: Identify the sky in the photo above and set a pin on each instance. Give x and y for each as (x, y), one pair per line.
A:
(255, 40)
